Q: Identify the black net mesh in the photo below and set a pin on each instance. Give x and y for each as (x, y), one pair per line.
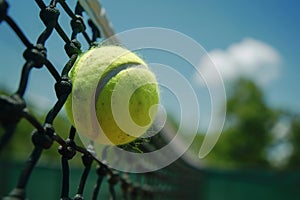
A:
(176, 181)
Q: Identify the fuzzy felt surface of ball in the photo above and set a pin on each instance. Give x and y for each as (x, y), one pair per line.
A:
(114, 95)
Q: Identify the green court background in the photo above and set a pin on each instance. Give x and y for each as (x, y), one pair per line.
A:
(45, 183)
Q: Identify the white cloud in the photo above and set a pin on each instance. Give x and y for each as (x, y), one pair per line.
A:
(249, 58)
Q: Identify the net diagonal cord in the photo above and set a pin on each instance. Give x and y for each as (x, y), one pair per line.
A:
(176, 181)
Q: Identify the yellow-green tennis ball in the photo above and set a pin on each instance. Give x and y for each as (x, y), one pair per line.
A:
(114, 95)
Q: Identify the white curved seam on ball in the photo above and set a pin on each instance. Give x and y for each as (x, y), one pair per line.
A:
(103, 81)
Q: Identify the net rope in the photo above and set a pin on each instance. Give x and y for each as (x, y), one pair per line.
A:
(175, 181)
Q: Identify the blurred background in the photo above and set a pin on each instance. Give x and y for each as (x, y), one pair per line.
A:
(253, 44)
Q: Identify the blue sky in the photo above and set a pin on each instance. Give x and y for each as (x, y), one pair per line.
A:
(216, 26)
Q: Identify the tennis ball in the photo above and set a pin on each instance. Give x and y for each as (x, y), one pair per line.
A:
(114, 95)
